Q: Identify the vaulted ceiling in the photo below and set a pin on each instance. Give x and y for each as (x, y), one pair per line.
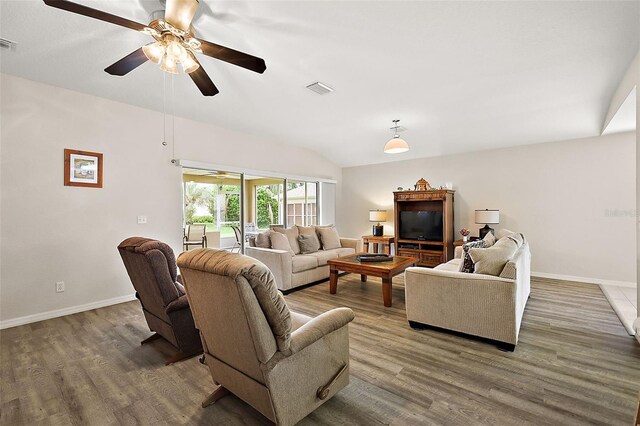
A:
(461, 76)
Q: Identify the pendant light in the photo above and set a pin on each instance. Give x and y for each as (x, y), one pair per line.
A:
(396, 144)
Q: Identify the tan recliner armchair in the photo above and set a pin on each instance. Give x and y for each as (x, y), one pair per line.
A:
(283, 364)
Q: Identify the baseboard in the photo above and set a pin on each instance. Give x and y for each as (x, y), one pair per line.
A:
(584, 280)
(28, 319)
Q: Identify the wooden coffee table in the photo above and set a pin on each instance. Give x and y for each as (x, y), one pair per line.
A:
(385, 270)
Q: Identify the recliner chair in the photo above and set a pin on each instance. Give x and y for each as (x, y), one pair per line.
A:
(151, 265)
(283, 364)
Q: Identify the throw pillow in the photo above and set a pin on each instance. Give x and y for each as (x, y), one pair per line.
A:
(263, 239)
(292, 235)
(491, 261)
(490, 239)
(309, 243)
(466, 265)
(279, 241)
(329, 237)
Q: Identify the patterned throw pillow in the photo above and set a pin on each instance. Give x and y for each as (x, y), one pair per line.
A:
(490, 239)
(467, 265)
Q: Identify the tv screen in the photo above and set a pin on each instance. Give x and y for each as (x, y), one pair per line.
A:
(421, 225)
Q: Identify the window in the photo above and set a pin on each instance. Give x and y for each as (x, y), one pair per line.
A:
(302, 207)
(268, 203)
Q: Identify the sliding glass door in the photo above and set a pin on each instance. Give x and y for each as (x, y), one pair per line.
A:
(214, 198)
(265, 202)
(233, 206)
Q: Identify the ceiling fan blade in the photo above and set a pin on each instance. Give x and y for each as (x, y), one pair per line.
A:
(130, 62)
(179, 13)
(204, 83)
(234, 57)
(93, 13)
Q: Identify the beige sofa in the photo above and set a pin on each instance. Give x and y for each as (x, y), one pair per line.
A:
(480, 305)
(295, 270)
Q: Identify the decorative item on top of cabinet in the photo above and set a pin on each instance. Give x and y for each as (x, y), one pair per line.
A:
(422, 185)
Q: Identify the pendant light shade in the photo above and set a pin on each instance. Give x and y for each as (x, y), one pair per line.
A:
(396, 145)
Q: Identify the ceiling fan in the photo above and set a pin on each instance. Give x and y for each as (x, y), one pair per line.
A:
(175, 43)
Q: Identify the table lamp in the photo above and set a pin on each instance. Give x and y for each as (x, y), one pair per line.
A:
(487, 217)
(377, 216)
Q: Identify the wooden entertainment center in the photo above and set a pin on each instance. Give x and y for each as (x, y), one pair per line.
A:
(429, 253)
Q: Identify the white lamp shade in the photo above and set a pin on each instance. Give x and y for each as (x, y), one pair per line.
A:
(377, 215)
(396, 146)
(488, 216)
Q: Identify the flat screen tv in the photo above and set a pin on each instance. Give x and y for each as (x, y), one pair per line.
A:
(421, 225)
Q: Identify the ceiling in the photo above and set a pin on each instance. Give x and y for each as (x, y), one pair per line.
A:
(461, 76)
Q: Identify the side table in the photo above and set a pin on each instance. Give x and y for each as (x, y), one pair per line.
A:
(385, 241)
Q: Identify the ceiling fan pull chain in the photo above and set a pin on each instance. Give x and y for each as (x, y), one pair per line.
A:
(173, 121)
(164, 109)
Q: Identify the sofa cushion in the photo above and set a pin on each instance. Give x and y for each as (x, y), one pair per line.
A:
(292, 235)
(263, 239)
(309, 243)
(501, 233)
(324, 255)
(491, 261)
(345, 251)
(452, 265)
(517, 237)
(466, 265)
(303, 262)
(280, 242)
(329, 237)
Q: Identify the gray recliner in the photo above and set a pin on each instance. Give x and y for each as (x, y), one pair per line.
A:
(151, 265)
(283, 364)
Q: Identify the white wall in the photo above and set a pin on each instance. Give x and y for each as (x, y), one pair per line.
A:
(574, 200)
(51, 233)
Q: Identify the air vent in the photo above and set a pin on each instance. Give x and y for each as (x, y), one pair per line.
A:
(7, 44)
(319, 88)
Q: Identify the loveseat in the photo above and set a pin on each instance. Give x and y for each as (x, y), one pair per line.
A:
(291, 268)
(476, 304)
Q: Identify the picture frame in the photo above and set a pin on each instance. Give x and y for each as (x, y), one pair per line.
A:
(82, 168)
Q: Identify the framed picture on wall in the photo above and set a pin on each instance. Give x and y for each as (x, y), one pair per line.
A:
(82, 168)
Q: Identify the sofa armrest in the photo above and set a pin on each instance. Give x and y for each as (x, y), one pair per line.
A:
(354, 243)
(457, 253)
(179, 303)
(319, 327)
(278, 261)
(419, 272)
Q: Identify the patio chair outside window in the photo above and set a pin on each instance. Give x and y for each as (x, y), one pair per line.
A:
(237, 244)
(195, 235)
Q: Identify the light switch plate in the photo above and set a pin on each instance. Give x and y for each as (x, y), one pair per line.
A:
(142, 219)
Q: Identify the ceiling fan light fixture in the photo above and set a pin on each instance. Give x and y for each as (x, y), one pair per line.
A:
(189, 64)
(175, 51)
(154, 51)
(167, 64)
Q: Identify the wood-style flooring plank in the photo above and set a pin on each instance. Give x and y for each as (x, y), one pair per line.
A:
(574, 364)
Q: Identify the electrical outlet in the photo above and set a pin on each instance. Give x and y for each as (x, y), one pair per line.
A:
(142, 220)
(59, 286)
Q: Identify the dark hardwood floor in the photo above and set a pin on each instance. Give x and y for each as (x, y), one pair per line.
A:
(574, 365)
